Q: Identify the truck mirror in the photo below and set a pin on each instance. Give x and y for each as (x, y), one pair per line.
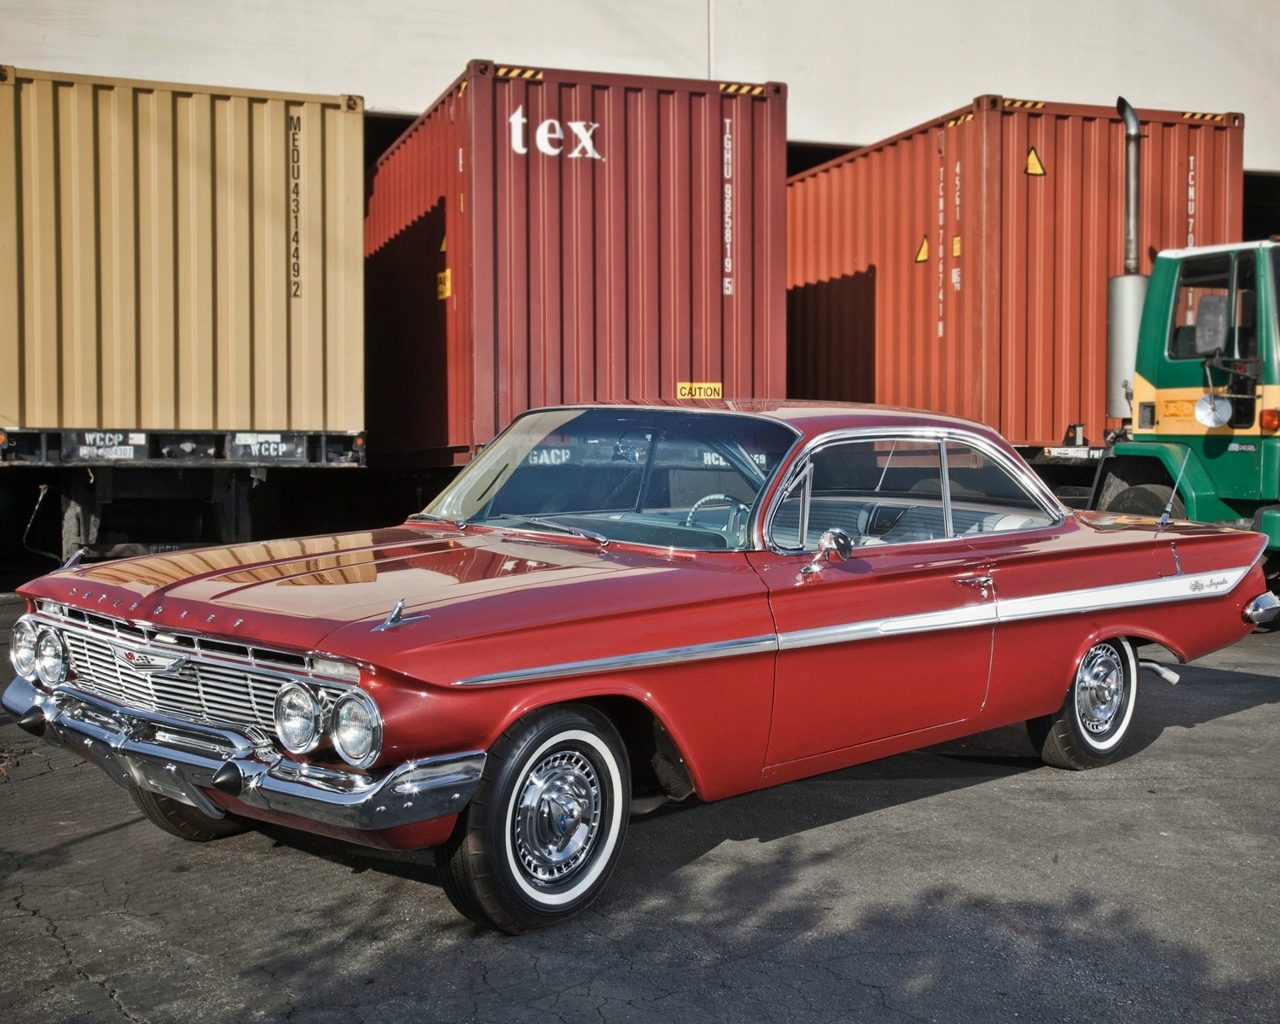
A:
(1211, 325)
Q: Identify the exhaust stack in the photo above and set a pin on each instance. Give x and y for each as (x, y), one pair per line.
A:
(1126, 294)
(1132, 166)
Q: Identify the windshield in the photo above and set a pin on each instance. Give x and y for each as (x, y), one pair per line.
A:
(674, 478)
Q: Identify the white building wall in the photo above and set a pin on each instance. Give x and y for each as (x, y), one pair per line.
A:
(857, 70)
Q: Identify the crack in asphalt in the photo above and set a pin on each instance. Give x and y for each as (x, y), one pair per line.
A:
(51, 928)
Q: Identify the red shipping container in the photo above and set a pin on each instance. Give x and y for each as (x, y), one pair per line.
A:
(541, 237)
(962, 266)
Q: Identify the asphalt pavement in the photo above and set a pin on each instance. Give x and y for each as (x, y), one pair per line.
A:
(965, 882)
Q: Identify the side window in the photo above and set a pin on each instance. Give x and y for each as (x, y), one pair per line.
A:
(877, 491)
(1210, 278)
(986, 497)
(892, 492)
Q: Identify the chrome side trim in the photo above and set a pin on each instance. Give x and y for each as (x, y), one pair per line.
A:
(901, 625)
(625, 662)
(1068, 602)
(1170, 588)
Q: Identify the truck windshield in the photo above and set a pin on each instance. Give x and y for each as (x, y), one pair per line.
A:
(673, 478)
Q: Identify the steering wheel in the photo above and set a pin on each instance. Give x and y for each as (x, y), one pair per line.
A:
(737, 507)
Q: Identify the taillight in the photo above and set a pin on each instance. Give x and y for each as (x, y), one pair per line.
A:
(1270, 419)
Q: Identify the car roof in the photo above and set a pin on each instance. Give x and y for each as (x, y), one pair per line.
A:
(810, 418)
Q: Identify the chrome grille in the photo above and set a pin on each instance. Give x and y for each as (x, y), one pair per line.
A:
(218, 683)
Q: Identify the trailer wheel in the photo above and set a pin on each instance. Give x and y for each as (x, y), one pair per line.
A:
(1147, 500)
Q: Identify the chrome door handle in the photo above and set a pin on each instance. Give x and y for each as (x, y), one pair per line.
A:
(985, 584)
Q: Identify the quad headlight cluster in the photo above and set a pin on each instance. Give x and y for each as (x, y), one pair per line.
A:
(353, 724)
(39, 652)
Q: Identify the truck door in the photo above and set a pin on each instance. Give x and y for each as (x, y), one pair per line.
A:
(1227, 282)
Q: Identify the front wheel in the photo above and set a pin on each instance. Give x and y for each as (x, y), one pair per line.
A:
(183, 820)
(544, 830)
(1093, 722)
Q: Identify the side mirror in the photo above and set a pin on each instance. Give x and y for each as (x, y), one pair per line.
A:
(834, 541)
(1211, 325)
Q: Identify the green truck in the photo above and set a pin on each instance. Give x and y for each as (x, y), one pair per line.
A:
(1205, 436)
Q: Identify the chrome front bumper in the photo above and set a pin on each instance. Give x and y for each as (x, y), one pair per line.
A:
(183, 760)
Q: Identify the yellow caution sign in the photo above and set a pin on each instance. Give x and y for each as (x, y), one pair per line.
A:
(922, 254)
(1034, 167)
(695, 389)
(955, 246)
(444, 285)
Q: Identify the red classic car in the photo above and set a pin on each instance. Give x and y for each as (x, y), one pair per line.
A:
(613, 607)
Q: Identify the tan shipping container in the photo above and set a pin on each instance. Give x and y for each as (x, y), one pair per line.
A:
(179, 257)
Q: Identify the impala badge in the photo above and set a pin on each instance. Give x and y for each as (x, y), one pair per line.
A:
(144, 662)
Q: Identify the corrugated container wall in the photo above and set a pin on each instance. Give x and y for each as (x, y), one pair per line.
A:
(542, 237)
(962, 266)
(178, 257)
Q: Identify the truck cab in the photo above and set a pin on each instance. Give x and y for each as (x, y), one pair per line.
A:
(1205, 435)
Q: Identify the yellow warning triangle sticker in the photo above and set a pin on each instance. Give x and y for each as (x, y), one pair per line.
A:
(1034, 167)
(922, 254)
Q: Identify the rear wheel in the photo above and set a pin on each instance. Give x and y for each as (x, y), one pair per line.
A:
(544, 830)
(183, 820)
(1091, 726)
(1147, 500)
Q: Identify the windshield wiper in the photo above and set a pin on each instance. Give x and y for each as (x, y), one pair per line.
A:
(421, 517)
(551, 524)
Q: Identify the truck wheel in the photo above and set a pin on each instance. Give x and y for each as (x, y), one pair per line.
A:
(1093, 722)
(184, 821)
(1146, 500)
(544, 830)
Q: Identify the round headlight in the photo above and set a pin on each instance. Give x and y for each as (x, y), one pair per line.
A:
(22, 647)
(299, 718)
(51, 658)
(357, 729)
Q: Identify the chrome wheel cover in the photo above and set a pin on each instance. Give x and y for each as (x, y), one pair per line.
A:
(1100, 689)
(557, 817)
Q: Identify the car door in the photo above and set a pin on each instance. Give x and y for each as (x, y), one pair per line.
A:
(895, 638)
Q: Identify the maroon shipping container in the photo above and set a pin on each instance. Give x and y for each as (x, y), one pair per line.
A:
(541, 237)
(962, 266)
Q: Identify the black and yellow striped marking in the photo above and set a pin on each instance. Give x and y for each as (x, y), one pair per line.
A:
(741, 89)
(960, 120)
(1024, 104)
(1192, 116)
(531, 74)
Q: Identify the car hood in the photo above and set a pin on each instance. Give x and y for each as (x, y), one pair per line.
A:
(329, 593)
